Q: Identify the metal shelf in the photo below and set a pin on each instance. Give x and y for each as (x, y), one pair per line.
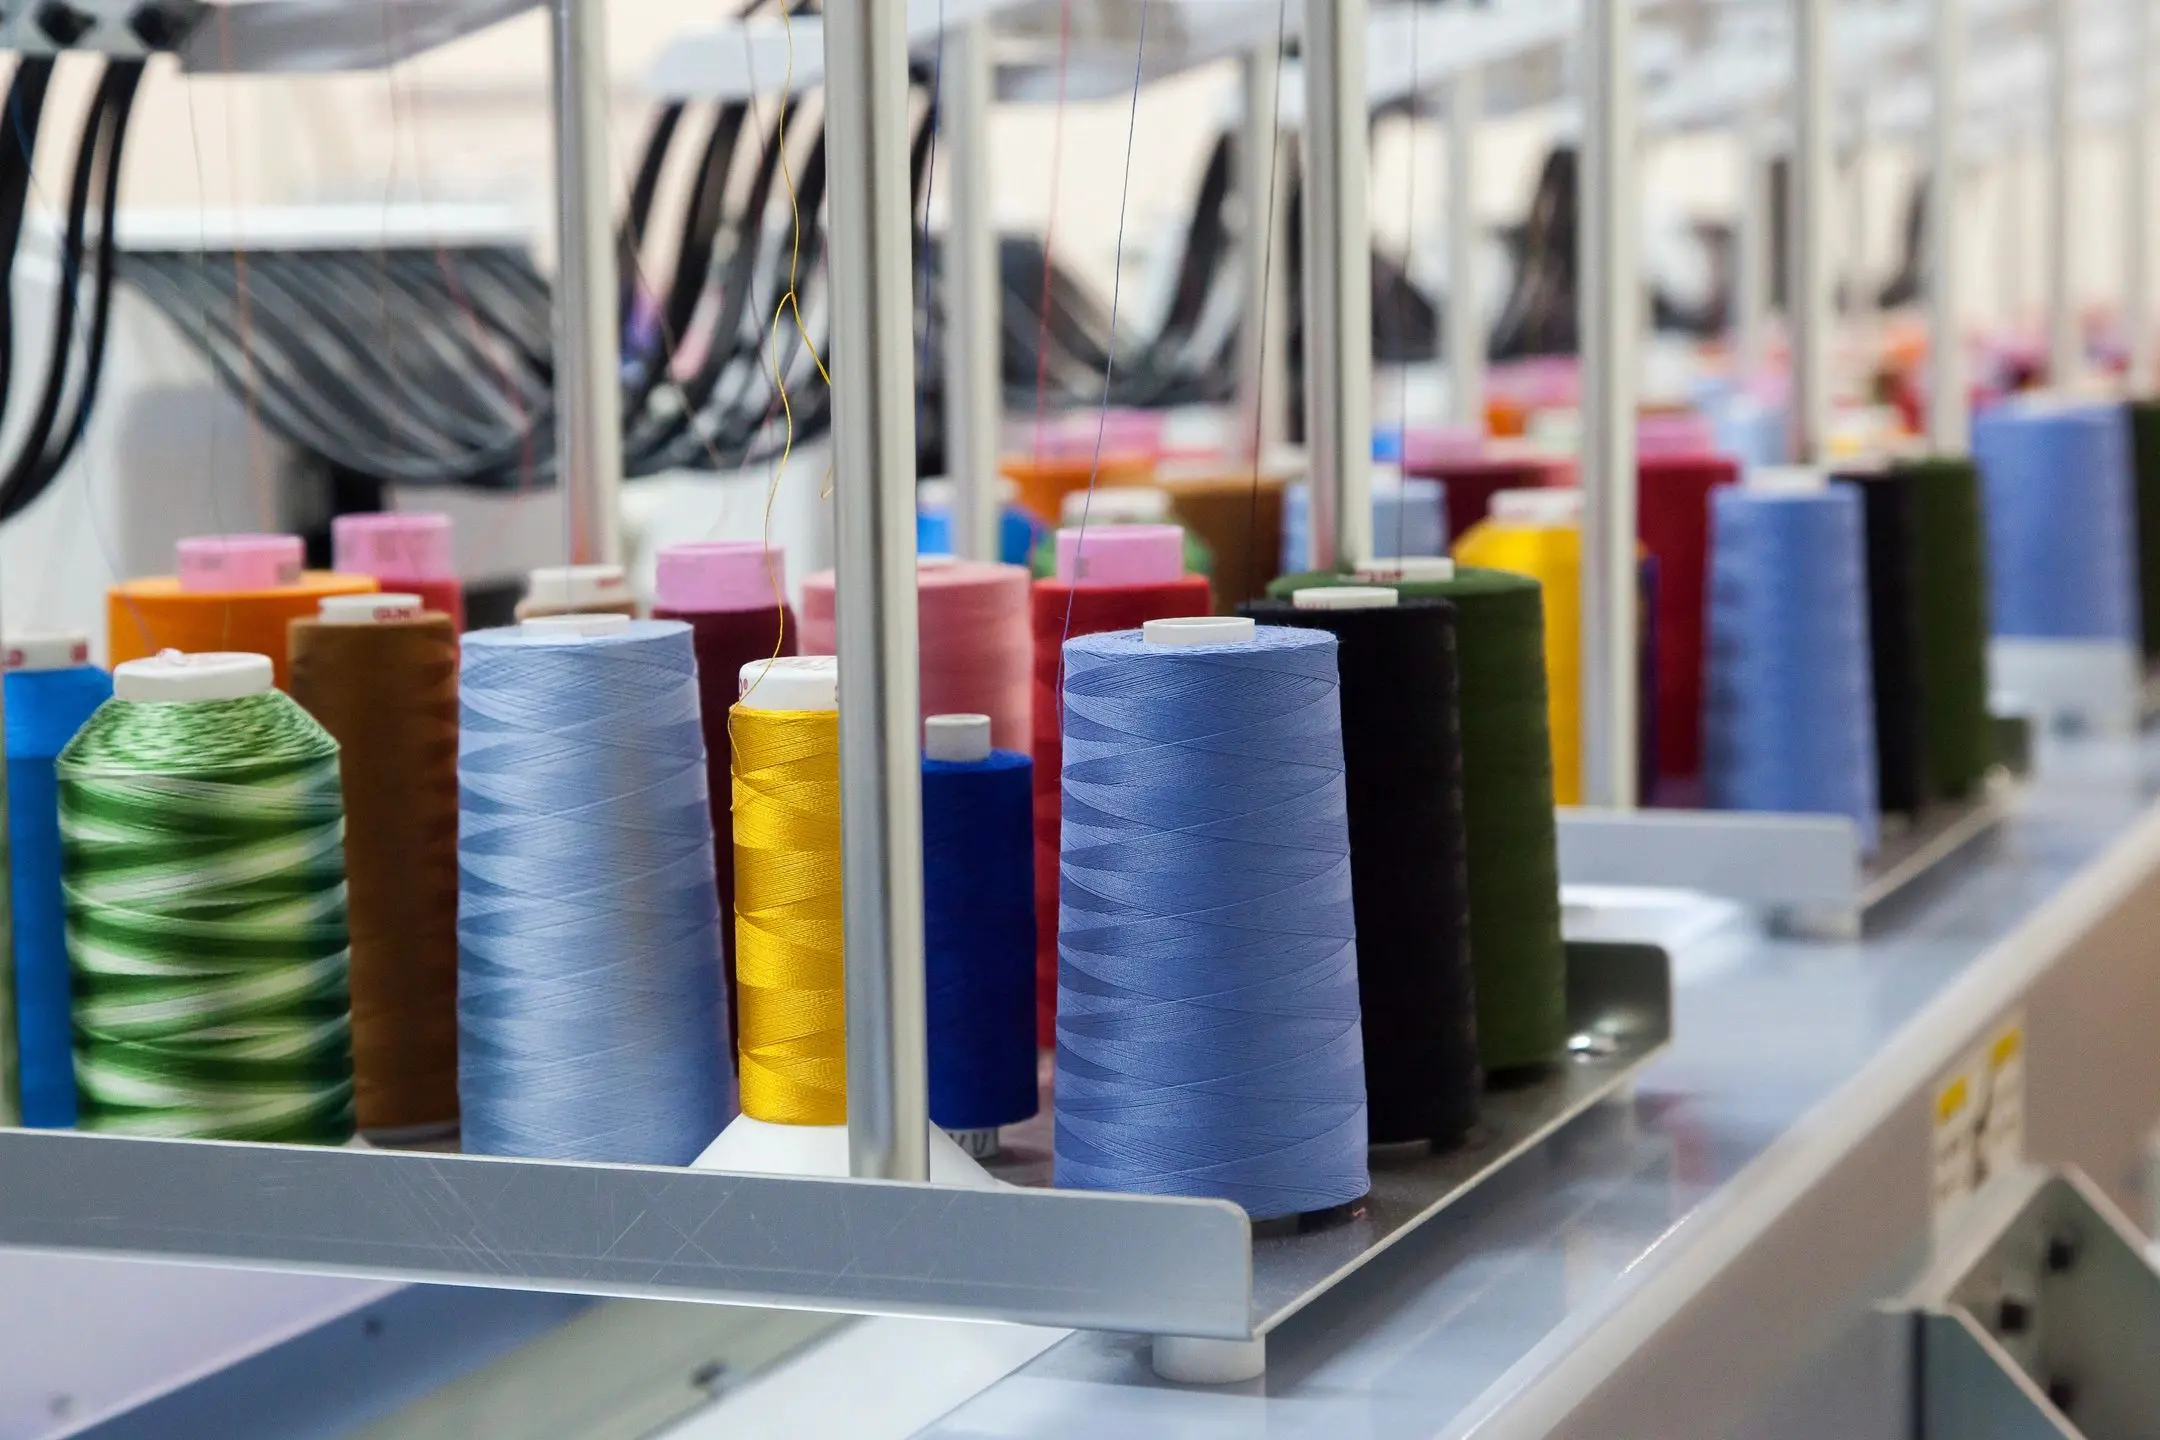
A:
(1017, 1253)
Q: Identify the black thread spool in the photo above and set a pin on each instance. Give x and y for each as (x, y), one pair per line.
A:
(1402, 750)
(1893, 580)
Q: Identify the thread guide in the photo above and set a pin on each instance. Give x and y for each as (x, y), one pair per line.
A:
(1089, 1260)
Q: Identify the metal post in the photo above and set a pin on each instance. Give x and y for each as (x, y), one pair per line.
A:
(2065, 348)
(1811, 285)
(588, 350)
(2137, 202)
(1949, 425)
(1263, 338)
(973, 358)
(1611, 354)
(1859, 219)
(1755, 246)
(873, 421)
(1338, 282)
(1465, 315)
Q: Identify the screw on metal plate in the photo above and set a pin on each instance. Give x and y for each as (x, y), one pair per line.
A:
(1601, 1042)
(2062, 1394)
(2062, 1252)
(2012, 1315)
(709, 1376)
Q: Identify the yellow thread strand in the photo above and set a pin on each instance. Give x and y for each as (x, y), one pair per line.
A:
(1552, 556)
(788, 949)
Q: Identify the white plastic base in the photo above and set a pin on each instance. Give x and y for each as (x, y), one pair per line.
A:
(754, 1147)
(2096, 686)
(1186, 1361)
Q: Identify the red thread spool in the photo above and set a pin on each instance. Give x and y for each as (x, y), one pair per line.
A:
(1061, 611)
(732, 595)
(976, 652)
(1674, 526)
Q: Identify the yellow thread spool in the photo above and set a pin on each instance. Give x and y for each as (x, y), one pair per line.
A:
(784, 736)
(1538, 533)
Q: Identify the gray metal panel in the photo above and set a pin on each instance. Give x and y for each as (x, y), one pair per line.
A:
(1973, 1394)
(1763, 859)
(1179, 1266)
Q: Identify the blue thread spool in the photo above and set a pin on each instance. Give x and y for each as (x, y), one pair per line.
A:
(1208, 1029)
(979, 930)
(2062, 533)
(51, 689)
(591, 1017)
(1017, 531)
(1788, 700)
(1409, 518)
(1752, 430)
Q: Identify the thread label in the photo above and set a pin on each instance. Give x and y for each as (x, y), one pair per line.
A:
(1977, 1120)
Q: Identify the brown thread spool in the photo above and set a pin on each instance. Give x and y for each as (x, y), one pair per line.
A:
(380, 674)
(1241, 519)
(577, 590)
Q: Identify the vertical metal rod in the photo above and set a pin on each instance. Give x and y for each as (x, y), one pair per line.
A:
(1338, 282)
(2065, 347)
(1811, 286)
(1949, 425)
(2010, 198)
(588, 349)
(1859, 218)
(973, 358)
(873, 419)
(2137, 202)
(1608, 320)
(1263, 339)
(1755, 246)
(1465, 313)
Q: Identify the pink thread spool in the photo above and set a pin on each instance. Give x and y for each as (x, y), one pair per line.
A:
(717, 577)
(233, 564)
(407, 550)
(978, 654)
(1120, 555)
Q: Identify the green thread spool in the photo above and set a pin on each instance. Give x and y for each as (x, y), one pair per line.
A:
(2145, 475)
(1508, 815)
(202, 853)
(1950, 577)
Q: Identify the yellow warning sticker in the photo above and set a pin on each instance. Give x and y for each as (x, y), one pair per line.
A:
(1979, 1118)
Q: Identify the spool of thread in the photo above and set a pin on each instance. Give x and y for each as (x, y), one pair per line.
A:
(230, 593)
(1208, 1036)
(201, 829)
(973, 620)
(1402, 749)
(2144, 423)
(1017, 530)
(591, 1018)
(1674, 526)
(1120, 506)
(788, 949)
(51, 689)
(1044, 480)
(1788, 709)
(1409, 517)
(978, 930)
(576, 590)
(380, 674)
(1508, 815)
(732, 595)
(1887, 512)
(1240, 520)
(407, 551)
(1950, 561)
(1472, 478)
(1060, 610)
(1538, 533)
(2061, 520)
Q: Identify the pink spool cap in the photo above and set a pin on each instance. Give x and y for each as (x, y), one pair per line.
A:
(393, 545)
(240, 562)
(704, 577)
(1121, 555)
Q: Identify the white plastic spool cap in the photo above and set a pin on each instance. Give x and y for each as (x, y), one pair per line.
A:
(1548, 508)
(1787, 480)
(958, 739)
(1433, 569)
(935, 494)
(935, 562)
(369, 609)
(1199, 630)
(54, 650)
(793, 682)
(213, 675)
(1116, 505)
(1346, 597)
(573, 627)
(571, 587)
